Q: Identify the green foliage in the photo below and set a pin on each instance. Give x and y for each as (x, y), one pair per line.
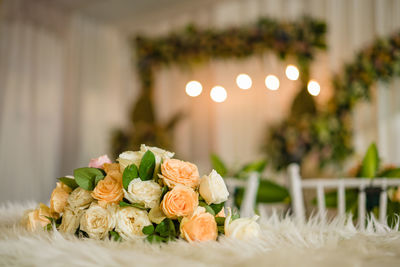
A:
(86, 177)
(207, 207)
(218, 165)
(114, 236)
(135, 205)
(147, 165)
(70, 182)
(370, 163)
(131, 172)
(163, 232)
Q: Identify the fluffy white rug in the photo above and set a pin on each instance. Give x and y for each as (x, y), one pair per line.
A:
(284, 242)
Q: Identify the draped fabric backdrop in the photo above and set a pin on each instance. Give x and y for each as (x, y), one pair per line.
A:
(66, 80)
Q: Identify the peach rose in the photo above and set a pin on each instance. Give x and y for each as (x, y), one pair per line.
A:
(99, 162)
(37, 219)
(181, 201)
(109, 190)
(59, 197)
(201, 226)
(175, 172)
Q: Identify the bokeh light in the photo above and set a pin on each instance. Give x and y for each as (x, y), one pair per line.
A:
(272, 82)
(313, 87)
(218, 94)
(194, 88)
(292, 72)
(244, 81)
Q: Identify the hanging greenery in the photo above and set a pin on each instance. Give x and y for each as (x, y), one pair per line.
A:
(328, 133)
(192, 45)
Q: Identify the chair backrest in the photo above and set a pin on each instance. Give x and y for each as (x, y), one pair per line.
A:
(250, 186)
(341, 184)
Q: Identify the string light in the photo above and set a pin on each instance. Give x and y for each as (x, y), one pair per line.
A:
(313, 87)
(272, 82)
(243, 81)
(292, 72)
(194, 88)
(218, 94)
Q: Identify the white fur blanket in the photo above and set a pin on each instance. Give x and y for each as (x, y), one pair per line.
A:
(284, 242)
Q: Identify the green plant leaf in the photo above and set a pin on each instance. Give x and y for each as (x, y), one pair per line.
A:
(164, 190)
(391, 173)
(98, 179)
(217, 207)
(256, 166)
(147, 165)
(115, 236)
(148, 230)
(163, 228)
(207, 207)
(135, 205)
(220, 221)
(70, 182)
(370, 163)
(221, 229)
(85, 177)
(218, 165)
(130, 173)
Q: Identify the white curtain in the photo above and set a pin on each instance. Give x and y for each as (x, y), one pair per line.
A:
(65, 82)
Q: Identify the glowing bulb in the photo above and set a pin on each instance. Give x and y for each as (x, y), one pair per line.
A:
(243, 81)
(292, 72)
(272, 82)
(218, 94)
(313, 87)
(193, 88)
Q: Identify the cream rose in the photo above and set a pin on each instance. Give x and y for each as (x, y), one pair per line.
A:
(79, 199)
(174, 172)
(130, 222)
(160, 155)
(109, 190)
(181, 201)
(129, 157)
(147, 193)
(34, 220)
(242, 228)
(70, 220)
(59, 197)
(201, 226)
(213, 188)
(156, 215)
(98, 221)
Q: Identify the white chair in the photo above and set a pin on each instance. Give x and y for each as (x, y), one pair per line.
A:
(297, 185)
(250, 193)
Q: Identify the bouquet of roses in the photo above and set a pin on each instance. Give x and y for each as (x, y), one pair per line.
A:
(146, 194)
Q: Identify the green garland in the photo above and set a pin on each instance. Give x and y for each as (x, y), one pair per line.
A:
(329, 133)
(193, 45)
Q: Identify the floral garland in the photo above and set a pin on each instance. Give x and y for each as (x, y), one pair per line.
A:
(193, 45)
(146, 195)
(328, 133)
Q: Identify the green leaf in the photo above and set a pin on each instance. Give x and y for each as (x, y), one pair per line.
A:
(130, 173)
(164, 190)
(115, 236)
(148, 230)
(220, 221)
(370, 163)
(135, 205)
(70, 182)
(147, 165)
(156, 238)
(217, 207)
(85, 177)
(391, 173)
(221, 229)
(98, 179)
(207, 207)
(218, 165)
(257, 166)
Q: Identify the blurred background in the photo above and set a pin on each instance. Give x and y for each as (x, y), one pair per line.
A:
(71, 88)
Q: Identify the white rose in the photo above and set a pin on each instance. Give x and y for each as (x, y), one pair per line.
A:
(156, 215)
(242, 228)
(129, 157)
(70, 220)
(213, 188)
(144, 192)
(98, 221)
(80, 199)
(160, 155)
(130, 222)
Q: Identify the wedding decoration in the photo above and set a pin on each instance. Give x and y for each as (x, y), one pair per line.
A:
(299, 40)
(370, 168)
(328, 133)
(147, 194)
